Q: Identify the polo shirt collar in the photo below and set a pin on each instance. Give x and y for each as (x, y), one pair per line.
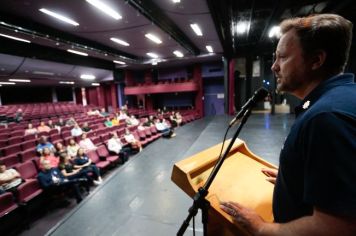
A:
(314, 95)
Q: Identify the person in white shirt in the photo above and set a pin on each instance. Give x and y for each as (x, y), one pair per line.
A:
(130, 138)
(86, 143)
(76, 131)
(116, 146)
(163, 128)
(30, 130)
(9, 178)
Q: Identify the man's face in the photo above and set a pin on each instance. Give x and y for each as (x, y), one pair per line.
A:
(290, 66)
(2, 168)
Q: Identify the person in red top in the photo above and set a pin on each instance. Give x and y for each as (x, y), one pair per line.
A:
(48, 156)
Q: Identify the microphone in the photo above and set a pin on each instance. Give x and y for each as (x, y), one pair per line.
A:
(258, 95)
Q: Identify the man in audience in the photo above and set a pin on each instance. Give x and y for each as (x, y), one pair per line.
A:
(43, 127)
(71, 121)
(108, 122)
(103, 113)
(42, 143)
(50, 124)
(93, 112)
(86, 127)
(60, 122)
(86, 143)
(132, 121)
(9, 178)
(115, 145)
(18, 116)
(130, 138)
(76, 131)
(164, 128)
(53, 182)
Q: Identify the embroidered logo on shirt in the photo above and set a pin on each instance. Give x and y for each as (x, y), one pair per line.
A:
(306, 105)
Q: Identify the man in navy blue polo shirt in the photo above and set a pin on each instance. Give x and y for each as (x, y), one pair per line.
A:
(315, 189)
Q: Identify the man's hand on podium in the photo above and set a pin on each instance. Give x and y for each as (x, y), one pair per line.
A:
(243, 216)
(271, 174)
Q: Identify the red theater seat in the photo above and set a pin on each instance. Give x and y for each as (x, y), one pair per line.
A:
(102, 165)
(7, 204)
(104, 152)
(28, 191)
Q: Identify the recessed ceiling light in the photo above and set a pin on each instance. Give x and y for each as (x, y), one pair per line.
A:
(119, 41)
(209, 48)
(151, 54)
(9, 83)
(105, 8)
(119, 62)
(176, 1)
(154, 38)
(275, 31)
(20, 80)
(77, 52)
(95, 84)
(66, 82)
(43, 73)
(178, 53)
(241, 27)
(59, 17)
(196, 29)
(154, 63)
(87, 77)
(15, 38)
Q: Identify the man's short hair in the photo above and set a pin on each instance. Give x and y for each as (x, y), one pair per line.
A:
(327, 32)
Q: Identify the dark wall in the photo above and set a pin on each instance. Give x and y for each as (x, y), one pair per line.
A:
(16, 95)
(64, 94)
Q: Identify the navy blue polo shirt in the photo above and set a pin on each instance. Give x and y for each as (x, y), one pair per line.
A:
(318, 161)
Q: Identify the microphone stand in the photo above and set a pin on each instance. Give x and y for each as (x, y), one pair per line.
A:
(199, 201)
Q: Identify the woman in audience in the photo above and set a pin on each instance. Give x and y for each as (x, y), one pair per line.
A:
(115, 121)
(86, 143)
(50, 124)
(130, 138)
(47, 155)
(164, 128)
(72, 148)
(60, 122)
(115, 145)
(132, 121)
(84, 162)
(43, 127)
(71, 121)
(30, 130)
(60, 149)
(178, 118)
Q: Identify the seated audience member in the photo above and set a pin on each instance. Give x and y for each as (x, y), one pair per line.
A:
(86, 127)
(60, 149)
(42, 143)
(140, 127)
(132, 121)
(149, 121)
(86, 143)
(93, 112)
(53, 182)
(115, 145)
(163, 127)
(70, 171)
(122, 115)
(84, 162)
(103, 113)
(76, 131)
(130, 138)
(43, 127)
(50, 124)
(108, 122)
(179, 118)
(47, 155)
(173, 119)
(18, 116)
(30, 130)
(72, 148)
(71, 122)
(60, 122)
(10, 179)
(115, 121)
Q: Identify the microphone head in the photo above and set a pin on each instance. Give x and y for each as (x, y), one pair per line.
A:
(260, 94)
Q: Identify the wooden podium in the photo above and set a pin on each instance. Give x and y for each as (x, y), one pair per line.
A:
(240, 179)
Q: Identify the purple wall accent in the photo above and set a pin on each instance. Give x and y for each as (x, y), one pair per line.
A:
(212, 104)
(212, 70)
(172, 73)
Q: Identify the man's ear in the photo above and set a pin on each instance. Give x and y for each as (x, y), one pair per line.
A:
(318, 59)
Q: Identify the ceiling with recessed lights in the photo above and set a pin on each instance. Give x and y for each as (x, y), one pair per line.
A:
(63, 38)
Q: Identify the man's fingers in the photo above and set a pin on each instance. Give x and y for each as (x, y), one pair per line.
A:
(271, 180)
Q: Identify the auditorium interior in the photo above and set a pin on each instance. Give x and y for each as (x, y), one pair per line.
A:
(190, 65)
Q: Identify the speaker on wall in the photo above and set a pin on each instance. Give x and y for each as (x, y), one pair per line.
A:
(119, 75)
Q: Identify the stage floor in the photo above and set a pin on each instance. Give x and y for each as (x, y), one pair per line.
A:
(140, 199)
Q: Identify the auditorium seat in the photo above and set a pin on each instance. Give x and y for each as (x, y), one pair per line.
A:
(27, 170)
(7, 204)
(28, 155)
(28, 145)
(11, 161)
(103, 152)
(29, 137)
(28, 191)
(3, 143)
(11, 149)
(94, 157)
